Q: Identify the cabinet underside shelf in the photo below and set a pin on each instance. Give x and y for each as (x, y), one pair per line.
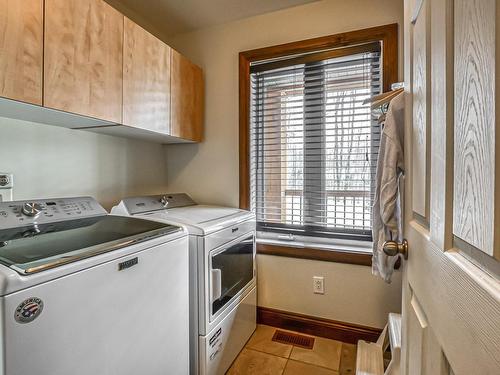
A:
(33, 113)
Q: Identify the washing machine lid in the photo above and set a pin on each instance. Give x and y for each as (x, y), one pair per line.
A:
(35, 248)
(180, 208)
(205, 214)
(202, 219)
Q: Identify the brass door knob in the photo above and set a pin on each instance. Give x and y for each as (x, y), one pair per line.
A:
(392, 248)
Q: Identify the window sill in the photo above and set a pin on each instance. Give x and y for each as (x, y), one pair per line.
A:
(361, 256)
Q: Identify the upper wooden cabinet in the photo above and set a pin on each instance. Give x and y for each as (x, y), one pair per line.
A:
(104, 71)
(21, 50)
(83, 58)
(187, 99)
(146, 80)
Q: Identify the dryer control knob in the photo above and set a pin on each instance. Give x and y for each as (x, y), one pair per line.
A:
(32, 209)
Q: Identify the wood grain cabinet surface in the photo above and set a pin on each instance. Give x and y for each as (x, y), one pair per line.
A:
(187, 99)
(83, 58)
(146, 80)
(21, 50)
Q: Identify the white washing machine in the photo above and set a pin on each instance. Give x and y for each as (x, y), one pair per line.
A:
(83, 292)
(223, 293)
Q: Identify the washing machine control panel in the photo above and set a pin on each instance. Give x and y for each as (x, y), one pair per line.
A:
(43, 211)
(139, 205)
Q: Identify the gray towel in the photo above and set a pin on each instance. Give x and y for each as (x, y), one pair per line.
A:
(387, 210)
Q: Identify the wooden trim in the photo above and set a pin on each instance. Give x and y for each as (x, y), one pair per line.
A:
(387, 34)
(330, 329)
(317, 56)
(338, 256)
(244, 131)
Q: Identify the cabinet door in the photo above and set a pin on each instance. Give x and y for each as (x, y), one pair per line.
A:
(21, 50)
(187, 99)
(83, 68)
(146, 80)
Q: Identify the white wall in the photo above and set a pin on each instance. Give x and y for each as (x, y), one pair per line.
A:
(48, 161)
(209, 171)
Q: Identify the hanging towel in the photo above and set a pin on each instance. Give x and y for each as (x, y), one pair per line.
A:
(387, 211)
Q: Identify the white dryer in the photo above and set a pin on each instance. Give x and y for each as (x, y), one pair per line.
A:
(83, 292)
(222, 274)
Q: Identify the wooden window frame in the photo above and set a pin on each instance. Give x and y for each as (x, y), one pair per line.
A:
(388, 35)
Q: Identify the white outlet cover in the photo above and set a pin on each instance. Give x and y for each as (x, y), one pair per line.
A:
(318, 284)
(9, 177)
(6, 195)
(6, 189)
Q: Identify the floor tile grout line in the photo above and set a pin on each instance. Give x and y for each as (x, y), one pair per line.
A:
(272, 355)
(284, 368)
(314, 364)
(337, 372)
(261, 351)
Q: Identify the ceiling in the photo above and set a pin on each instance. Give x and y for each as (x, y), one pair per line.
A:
(171, 17)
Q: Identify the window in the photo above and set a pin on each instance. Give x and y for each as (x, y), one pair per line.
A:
(314, 144)
(311, 146)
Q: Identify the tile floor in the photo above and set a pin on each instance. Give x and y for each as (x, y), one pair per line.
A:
(262, 356)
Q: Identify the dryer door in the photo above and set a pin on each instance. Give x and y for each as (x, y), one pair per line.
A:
(232, 269)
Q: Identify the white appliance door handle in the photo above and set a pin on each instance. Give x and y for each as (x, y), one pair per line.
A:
(216, 284)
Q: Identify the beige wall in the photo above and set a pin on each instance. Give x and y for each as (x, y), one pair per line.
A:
(215, 161)
(352, 294)
(209, 171)
(48, 161)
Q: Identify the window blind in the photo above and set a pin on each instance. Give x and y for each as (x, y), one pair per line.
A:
(314, 144)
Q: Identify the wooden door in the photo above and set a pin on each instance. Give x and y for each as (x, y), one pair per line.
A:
(21, 50)
(83, 58)
(187, 99)
(146, 80)
(451, 288)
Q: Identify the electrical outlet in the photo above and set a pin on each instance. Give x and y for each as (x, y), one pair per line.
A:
(319, 285)
(6, 186)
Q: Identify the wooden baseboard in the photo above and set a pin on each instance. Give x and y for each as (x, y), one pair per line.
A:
(330, 329)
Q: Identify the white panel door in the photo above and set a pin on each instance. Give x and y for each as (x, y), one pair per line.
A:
(451, 287)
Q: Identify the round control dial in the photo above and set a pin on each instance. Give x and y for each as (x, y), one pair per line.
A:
(32, 209)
